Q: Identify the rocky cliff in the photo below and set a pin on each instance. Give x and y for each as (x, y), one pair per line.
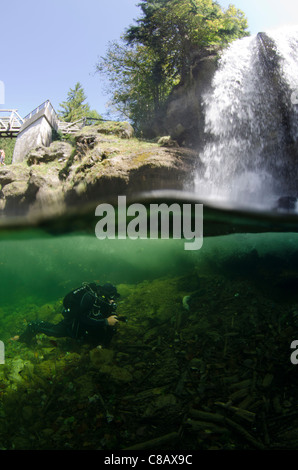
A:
(183, 116)
(95, 165)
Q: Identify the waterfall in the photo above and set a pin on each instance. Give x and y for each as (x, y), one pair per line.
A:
(251, 121)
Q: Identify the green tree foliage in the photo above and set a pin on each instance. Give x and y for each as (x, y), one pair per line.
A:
(158, 51)
(174, 29)
(138, 80)
(75, 107)
(7, 144)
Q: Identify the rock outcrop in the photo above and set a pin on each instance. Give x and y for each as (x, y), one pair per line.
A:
(97, 165)
(183, 118)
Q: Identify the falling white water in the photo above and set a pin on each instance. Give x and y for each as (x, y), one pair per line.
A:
(245, 121)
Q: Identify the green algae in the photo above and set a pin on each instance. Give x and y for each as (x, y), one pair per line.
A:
(229, 351)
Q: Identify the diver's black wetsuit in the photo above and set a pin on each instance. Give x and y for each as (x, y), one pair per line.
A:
(85, 313)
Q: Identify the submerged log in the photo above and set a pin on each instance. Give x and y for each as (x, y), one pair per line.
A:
(242, 413)
(153, 443)
(218, 418)
(206, 426)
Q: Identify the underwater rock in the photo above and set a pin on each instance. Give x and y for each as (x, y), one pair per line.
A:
(121, 374)
(160, 403)
(102, 360)
(45, 312)
(118, 374)
(15, 367)
(100, 356)
(85, 386)
(47, 369)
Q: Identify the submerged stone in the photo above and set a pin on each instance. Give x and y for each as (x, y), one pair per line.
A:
(100, 356)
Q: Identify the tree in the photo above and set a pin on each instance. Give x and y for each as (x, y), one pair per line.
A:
(158, 52)
(176, 29)
(140, 83)
(75, 108)
(8, 144)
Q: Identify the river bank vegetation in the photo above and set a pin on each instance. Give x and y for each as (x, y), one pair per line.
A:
(157, 53)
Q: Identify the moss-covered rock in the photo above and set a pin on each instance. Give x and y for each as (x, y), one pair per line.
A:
(56, 151)
(121, 129)
(99, 163)
(100, 356)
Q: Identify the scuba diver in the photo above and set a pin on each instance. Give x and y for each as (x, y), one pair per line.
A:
(89, 316)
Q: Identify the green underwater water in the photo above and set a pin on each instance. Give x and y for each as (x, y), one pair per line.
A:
(203, 362)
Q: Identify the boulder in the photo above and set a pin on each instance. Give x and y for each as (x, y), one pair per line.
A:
(121, 129)
(117, 374)
(15, 190)
(100, 356)
(159, 404)
(56, 151)
(167, 141)
(12, 173)
(102, 360)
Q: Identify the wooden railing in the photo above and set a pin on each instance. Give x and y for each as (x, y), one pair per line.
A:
(45, 104)
(11, 121)
(71, 127)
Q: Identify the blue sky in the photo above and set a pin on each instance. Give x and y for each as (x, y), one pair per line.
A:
(47, 46)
